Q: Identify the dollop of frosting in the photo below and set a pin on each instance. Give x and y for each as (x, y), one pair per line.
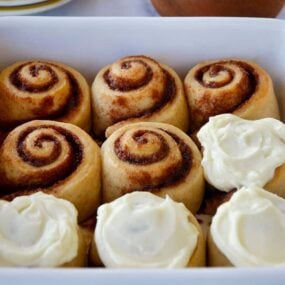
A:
(143, 230)
(249, 229)
(37, 231)
(238, 152)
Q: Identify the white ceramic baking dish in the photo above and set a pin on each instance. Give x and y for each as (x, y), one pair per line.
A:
(90, 43)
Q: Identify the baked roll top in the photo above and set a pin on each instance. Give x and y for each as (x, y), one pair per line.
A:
(39, 89)
(233, 86)
(53, 157)
(137, 88)
(153, 157)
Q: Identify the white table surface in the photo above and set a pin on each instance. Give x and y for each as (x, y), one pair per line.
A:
(110, 8)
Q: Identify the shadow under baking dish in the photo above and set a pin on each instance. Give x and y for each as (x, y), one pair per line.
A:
(88, 44)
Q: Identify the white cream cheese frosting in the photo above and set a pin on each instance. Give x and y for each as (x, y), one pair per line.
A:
(37, 231)
(143, 230)
(249, 229)
(238, 152)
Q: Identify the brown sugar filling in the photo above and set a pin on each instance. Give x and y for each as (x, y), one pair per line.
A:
(172, 176)
(227, 101)
(74, 98)
(125, 84)
(46, 178)
(168, 96)
(24, 85)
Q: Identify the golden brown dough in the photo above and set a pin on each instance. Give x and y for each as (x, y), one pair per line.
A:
(94, 258)
(88, 228)
(39, 89)
(53, 157)
(230, 85)
(82, 255)
(215, 258)
(277, 184)
(198, 257)
(153, 157)
(134, 89)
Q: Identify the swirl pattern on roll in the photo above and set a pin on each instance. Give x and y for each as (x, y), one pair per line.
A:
(137, 88)
(160, 142)
(56, 158)
(153, 157)
(229, 86)
(55, 151)
(43, 90)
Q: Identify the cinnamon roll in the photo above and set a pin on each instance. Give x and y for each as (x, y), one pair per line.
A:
(53, 157)
(40, 231)
(153, 157)
(233, 86)
(40, 89)
(134, 89)
(248, 230)
(239, 152)
(160, 233)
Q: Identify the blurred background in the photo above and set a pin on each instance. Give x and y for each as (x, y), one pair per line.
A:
(248, 8)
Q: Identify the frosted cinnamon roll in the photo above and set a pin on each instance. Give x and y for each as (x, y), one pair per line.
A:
(233, 86)
(40, 89)
(153, 157)
(248, 230)
(239, 152)
(137, 88)
(40, 231)
(143, 230)
(53, 157)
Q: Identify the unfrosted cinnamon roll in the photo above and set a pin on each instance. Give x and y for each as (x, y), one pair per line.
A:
(40, 231)
(53, 157)
(233, 86)
(142, 230)
(248, 230)
(153, 157)
(40, 89)
(137, 88)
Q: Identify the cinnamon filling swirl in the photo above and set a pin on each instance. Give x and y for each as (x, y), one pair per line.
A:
(218, 76)
(24, 84)
(38, 78)
(174, 174)
(136, 79)
(53, 153)
(75, 97)
(167, 97)
(140, 137)
(219, 87)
